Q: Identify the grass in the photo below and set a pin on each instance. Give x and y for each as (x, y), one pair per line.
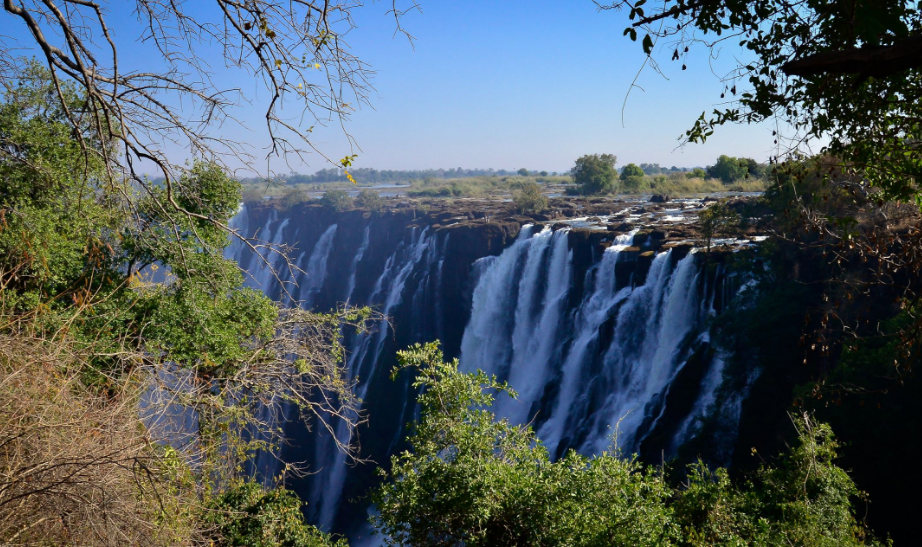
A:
(682, 186)
(495, 186)
(504, 186)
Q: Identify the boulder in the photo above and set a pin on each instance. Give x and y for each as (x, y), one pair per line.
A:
(623, 227)
(659, 198)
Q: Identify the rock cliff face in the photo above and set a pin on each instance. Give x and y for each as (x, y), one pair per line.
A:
(597, 314)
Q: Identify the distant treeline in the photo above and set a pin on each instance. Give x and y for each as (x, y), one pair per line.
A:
(368, 175)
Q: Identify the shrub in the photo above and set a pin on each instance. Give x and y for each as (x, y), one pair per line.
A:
(371, 200)
(529, 199)
(252, 196)
(696, 173)
(718, 219)
(76, 466)
(729, 169)
(292, 197)
(634, 184)
(471, 479)
(250, 515)
(337, 200)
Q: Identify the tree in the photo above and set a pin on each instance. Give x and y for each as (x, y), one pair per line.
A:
(529, 198)
(848, 73)
(249, 515)
(595, 173)
(78, 273)
(696, 173)
(471, 479)
(371, 200)
(728, 169)
(631, 170)
(295, 50)
(716, 220)
(336, 200)
(292, 197)
(522, 172)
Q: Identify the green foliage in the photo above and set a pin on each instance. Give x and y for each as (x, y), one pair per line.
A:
(522, 172)
(631, 170)
(718, 219)
(292, 197)
(728, 169)
(846, 73)
(634, 184)
(529, 198)
(818, 183)
(473, 186)
(696, 173)
(252, 196)
(337, 200)
(470, 479)
(371, 200)
(595, 173)
(803, 500)
(249, 515)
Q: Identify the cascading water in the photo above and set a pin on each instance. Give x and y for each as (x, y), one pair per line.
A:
(592, 344)
(316, 270)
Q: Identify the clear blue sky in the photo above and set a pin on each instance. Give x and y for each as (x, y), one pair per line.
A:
(506, 85)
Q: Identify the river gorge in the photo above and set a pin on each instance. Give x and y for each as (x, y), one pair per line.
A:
(599, 316)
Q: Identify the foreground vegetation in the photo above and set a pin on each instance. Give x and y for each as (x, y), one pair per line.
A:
(136, 369)
(471, 479)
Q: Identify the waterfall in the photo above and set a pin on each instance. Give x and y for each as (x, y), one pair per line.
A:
(316, 270)
(368, 347)
(519, 330)
(355, 262)
(645, 376)
(593, 333)
(596, 309)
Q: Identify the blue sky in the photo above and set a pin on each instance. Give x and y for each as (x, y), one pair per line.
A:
(506, 84)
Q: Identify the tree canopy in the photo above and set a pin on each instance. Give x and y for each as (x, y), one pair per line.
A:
(133, 293)
(728, 169)
(471, 479)
(631, 170)
(595, 173)
(846, 72)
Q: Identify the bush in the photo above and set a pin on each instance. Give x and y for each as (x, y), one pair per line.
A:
(371, 200)
(631, 170)
(337, 200)
(252, 196)
(529, 199)
(252, 516)
(292, 197)
(696, 173)
(595, 173)
(77, 466)
(718, 219)
(634, 184)
(729, 169)
(471, 479)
